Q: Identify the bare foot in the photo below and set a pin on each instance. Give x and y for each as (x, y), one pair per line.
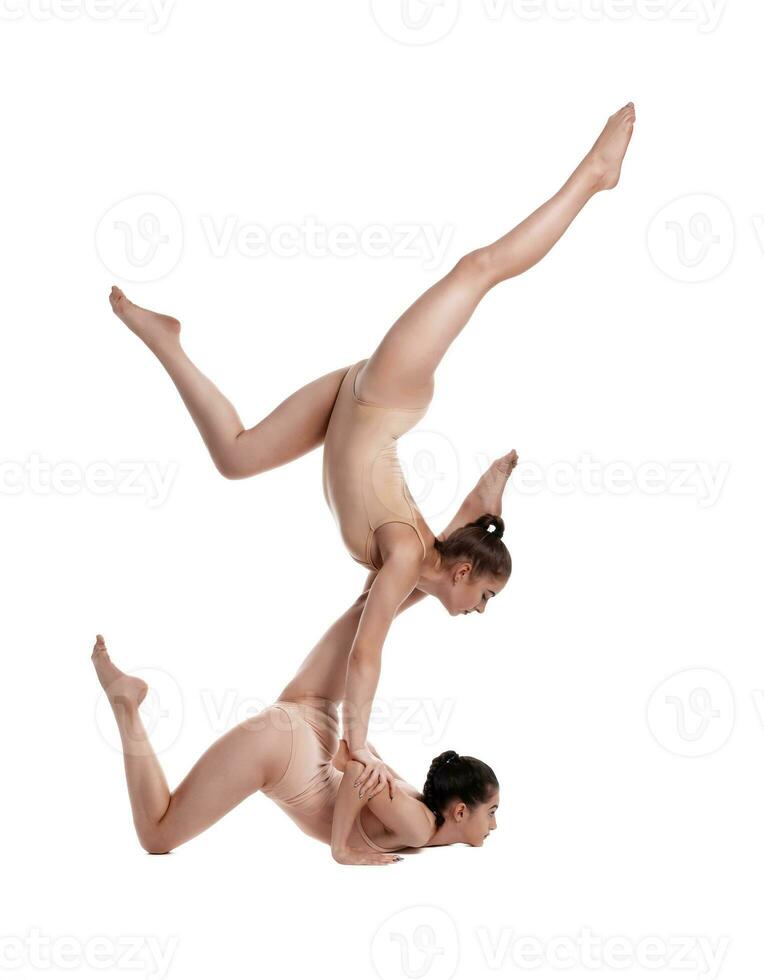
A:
(156, 330)
(490, 489)
(121, 689)
(606, 156)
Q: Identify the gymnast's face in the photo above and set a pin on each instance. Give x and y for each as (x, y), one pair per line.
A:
(464, 594)
(476, 823)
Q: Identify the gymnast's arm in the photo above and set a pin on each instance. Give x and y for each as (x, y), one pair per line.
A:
(363, 673)
(404, 815)
(347, 805)
(399, 574)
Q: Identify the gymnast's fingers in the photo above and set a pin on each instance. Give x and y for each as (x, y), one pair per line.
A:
(368, 781)
(381, 782)
(385, 781)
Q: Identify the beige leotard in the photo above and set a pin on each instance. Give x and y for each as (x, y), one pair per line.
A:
(309, 783)
(363, 480)
(307, 790)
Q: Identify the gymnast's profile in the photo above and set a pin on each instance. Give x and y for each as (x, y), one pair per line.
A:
(292, 753)
(359, 411)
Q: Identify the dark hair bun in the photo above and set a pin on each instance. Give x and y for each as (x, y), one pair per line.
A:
(443, 759)
(487, 521)
(479, 543)
(453, 776)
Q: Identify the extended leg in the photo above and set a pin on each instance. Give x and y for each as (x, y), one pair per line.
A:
(250, 756)
(401, 370)
(323, 671)
(292, 429)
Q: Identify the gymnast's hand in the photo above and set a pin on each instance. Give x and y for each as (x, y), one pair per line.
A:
(354, 855)
(375, 775)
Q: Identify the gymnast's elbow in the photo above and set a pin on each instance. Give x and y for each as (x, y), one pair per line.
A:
(354, 768)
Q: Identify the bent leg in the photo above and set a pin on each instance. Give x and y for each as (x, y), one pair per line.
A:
(296, 426)
(401, 370)
(244, 760)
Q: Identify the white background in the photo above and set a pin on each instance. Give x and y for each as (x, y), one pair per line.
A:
(273, 114)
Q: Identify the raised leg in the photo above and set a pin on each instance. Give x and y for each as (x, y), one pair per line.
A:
(292, 429)
(252, 755)
(401, 370)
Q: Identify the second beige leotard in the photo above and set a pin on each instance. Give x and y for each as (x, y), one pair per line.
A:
(307, 790)
(363, 480)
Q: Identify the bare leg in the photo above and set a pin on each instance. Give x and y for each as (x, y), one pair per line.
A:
(400, 372)
(323, 671)
(252, 755)
(292, 429)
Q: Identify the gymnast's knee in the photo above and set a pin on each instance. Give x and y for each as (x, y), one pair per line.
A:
(478, 265)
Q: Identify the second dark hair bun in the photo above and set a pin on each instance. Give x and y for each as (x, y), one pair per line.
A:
(488, 520)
